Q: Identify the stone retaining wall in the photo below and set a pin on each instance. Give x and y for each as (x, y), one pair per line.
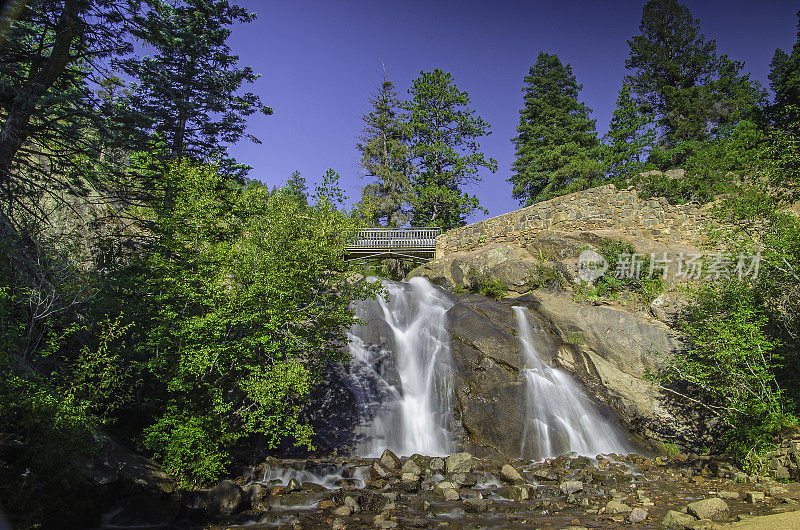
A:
(601, 208)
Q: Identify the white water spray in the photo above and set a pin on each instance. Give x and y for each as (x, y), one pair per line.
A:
(405, 394)
(559, 417)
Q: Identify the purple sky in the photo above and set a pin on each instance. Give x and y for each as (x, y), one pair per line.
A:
(320, 60)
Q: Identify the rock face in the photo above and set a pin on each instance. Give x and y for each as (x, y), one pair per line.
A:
(610, 349)
(511, 264)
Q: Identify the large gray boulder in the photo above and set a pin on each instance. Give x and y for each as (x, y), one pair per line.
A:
(513, 265)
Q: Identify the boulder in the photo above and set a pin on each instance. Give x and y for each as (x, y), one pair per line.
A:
(754, 497)
(458, 463)
(676, 520)
(637, 515)
(515, 267)
(615, 507)
(509, 474)
(571, 486)
(519, 493)
(390, 461)
(714, 508)
(451, 494)
(226, 498)
(475, 505)
(411, 467)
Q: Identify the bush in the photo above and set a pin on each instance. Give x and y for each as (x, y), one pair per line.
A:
(487, 285)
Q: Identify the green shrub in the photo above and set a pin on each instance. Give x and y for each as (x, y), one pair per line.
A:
(487, 285)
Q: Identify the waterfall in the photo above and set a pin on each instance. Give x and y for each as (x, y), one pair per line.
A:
(401, 371)
(559, 416)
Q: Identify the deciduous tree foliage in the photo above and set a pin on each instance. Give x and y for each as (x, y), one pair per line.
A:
(557, 150)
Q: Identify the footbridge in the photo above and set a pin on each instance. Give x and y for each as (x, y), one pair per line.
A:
(418, 244)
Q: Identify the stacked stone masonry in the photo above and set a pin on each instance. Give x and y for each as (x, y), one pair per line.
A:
(601, 208)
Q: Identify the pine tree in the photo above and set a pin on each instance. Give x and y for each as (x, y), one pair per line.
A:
(384, 159)
(444, 150)
(672, 61)
(557, 150)
(188, 89)
(630, 136)
(784, 77)
(296, 187)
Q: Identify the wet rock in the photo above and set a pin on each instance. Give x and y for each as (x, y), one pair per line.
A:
(410, 482)
(714, 508)
(352, 503)
(465, 479)
(390, 461)
(676, 520)
(755, 496)
(545, 473)
(225, 499)
(475, 505)
(615, 507)
(571, 486)
(378, 471)
(728, 495)
(445, 485)
(777, 491)
(343, 510)
(519, 493)
(637, 515)
(509, 474)
(326, 504)
(292, 486)
(458, 463)
(451, 494)
(411, 467)
(580, 462)
(437, 464)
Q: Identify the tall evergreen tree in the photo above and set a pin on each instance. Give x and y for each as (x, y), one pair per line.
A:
(784, 79)
(557, 150)
(188, 90)
(630, 135)
(679, 78)
(672, 60)
(384, 159)
(443, 149)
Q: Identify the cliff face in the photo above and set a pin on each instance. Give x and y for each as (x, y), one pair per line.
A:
(612, 346)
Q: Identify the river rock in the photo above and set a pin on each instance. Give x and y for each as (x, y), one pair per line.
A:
(411, 467)
(676, 520)
(343, 510)
(509, 474)
(615, 507)
(390, 461)
(352, 503)
(226, 498)
(637, 515)
(458, 463)
(714, 508)
(475, 505)
(571, 486)
(755, 496)
(519, 493)
(451, 494)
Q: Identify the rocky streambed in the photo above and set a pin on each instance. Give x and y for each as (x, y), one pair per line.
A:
(462, 491)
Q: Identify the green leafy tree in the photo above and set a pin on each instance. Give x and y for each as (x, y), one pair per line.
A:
(630, 137)
(384, 159)
(444, 152)
(557, 150)
(187, 92)
(239, 304)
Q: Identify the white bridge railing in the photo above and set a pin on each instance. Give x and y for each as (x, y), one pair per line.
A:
(396, 238)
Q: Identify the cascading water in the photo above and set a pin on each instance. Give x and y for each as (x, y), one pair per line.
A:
(401, 371)
(559, 417)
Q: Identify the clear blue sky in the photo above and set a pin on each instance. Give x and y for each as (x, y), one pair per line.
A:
(321, 59)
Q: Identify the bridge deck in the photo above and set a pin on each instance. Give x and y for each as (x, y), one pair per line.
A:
(412, 243)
